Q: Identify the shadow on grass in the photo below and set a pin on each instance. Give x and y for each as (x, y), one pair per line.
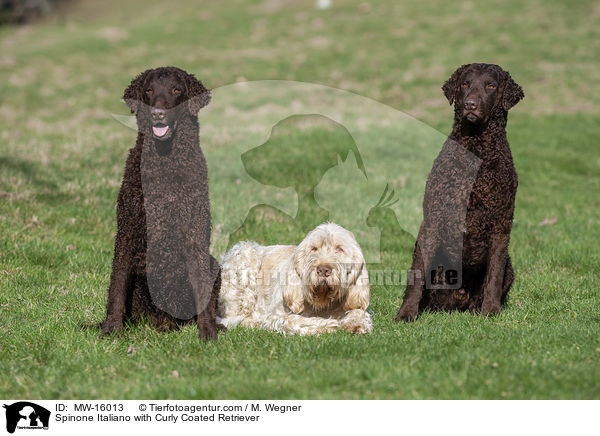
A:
(39, 177)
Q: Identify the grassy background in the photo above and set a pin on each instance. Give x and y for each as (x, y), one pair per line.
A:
(62, 157)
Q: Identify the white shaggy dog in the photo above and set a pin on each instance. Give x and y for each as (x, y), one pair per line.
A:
(316, 287)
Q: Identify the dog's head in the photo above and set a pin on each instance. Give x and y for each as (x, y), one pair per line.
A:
(331, 268)
(479, 90)
(160, 97)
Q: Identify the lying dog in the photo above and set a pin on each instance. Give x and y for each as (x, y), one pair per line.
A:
(316, 287)
(461, 259)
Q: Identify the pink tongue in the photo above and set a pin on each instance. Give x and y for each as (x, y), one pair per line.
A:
(160, 131)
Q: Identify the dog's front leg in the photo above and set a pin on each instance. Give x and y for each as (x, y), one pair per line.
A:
(203, 278)
(494, 276)
(119, 282)
(357, 321)
(414, 287)
(300, 325)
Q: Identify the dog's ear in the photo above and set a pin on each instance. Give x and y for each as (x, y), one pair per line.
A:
(293, 296)
(292, 293)
(134, 93)
(359, 291)
(197, 95)
(452, 85)
(512, 93)
(357, 280)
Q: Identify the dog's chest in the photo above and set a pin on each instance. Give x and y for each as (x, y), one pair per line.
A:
(493, 192)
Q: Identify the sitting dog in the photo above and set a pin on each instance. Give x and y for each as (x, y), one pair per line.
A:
(316, 287)
(161, 266)
(461, 260)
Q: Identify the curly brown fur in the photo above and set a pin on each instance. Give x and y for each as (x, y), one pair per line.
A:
(482, 95)
(163, 211)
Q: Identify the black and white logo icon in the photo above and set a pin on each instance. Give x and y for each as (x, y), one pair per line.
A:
(26, 415)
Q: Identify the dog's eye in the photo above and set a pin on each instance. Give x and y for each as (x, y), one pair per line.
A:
(148, 91)
(490, 86)
(176, 91)
(339, 249)
(314, 248)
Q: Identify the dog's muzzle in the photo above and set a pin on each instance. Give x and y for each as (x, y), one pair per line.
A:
(161, 127)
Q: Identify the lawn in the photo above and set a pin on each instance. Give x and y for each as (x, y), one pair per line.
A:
(372, 74)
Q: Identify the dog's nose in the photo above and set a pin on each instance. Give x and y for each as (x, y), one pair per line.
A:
(323, 270)
(470, 104)
(158, 114)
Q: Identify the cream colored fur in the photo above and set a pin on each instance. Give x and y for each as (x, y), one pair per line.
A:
(278, 287)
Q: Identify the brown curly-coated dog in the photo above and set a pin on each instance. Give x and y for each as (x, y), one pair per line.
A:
(461, 260)
(162, 267)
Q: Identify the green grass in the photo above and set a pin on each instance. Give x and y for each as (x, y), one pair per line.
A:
(62, 157)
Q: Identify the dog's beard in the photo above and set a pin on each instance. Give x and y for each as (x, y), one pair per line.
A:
(323, 292)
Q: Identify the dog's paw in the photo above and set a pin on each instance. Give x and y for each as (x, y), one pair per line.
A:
(407, 314)
(207, 331)
(357, 329)
(488, 309)
(110, 326)
(357, 321)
